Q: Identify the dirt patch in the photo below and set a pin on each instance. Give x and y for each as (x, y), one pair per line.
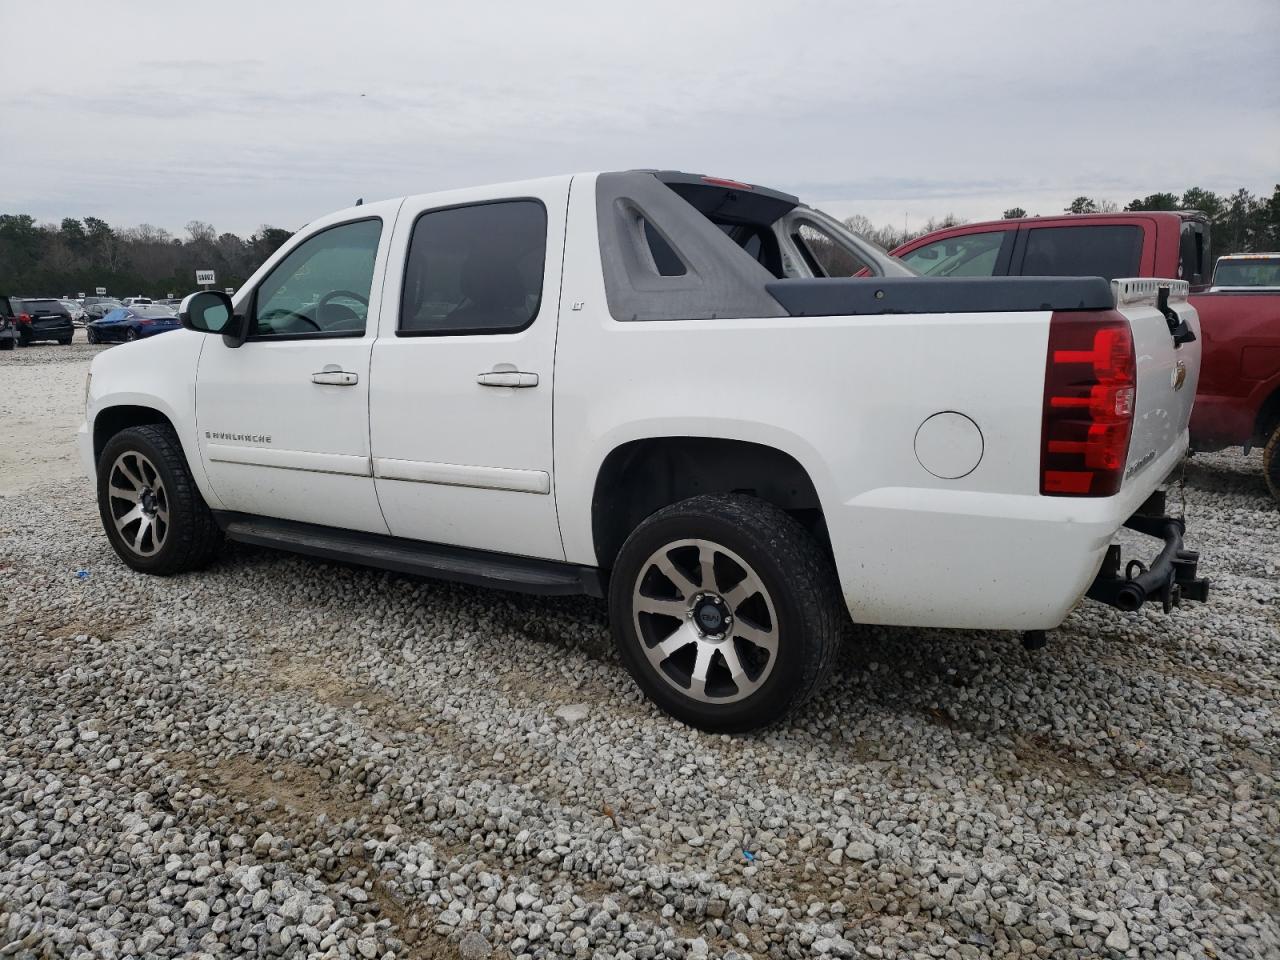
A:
(1041, 754)
(300, 792)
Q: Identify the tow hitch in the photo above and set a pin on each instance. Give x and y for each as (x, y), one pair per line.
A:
(1171, 578)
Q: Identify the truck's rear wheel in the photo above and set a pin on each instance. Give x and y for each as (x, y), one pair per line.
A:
(151, 509)
(725, 611)
(1271, 462)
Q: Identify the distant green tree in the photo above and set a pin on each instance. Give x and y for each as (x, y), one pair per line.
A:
(1082, 205)
(1155, 201)
(1269, 222)
(1206, 201)
(1237, 228)
(1014, 213)
(267, 241)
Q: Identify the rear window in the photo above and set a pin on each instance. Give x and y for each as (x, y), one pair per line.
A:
(1254, 272)
(152, 312)
(824, 255)
(44, 306)
(1103, 251)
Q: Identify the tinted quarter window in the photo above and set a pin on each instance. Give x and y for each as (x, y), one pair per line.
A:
(665, 260)
(968, 255)
(1101, 251)
(475, 269)
(321, 289)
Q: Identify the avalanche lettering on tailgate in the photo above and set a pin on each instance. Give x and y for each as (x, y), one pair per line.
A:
(238, 437)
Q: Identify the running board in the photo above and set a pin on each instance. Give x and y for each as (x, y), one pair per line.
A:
(459, 564)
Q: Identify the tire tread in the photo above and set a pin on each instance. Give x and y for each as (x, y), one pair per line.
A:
(191, 520)
(812, 582)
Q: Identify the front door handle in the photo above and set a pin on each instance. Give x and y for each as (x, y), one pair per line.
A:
(334, 376)
(507, 378)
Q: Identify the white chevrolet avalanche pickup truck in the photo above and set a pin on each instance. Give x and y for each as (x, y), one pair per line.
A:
(699, 398)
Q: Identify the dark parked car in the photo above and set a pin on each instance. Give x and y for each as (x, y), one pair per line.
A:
(8, 332)
(132, 323)
(99, 307)
(42, 319)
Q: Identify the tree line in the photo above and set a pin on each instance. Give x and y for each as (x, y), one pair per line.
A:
(80, 255)
(77, 256)
(1240, 222)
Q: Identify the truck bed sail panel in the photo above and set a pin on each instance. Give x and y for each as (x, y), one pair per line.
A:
(866, 296)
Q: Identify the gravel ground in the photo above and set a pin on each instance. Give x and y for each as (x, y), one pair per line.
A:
(44, 405)
(284, 757)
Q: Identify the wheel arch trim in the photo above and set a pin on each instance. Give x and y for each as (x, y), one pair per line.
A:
(732, 435)
(117, 411)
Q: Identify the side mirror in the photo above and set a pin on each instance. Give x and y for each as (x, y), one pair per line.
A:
(210, 311)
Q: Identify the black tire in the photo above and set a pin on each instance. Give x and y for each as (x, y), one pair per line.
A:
(131, 334)
(1271, 462)
(65, 341)
(91, 336)
(191, 537)
(797, 576)
(7, 343)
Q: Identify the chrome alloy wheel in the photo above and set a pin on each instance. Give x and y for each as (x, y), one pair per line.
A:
(705, 620)
(138, 503)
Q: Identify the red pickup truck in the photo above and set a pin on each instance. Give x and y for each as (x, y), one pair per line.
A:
(1238, 399)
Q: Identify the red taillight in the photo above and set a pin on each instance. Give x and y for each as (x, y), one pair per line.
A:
(24, 318)
(1089, 391)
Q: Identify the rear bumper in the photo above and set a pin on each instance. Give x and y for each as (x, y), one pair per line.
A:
(43, 330)
(930, 557)
(1170, 578)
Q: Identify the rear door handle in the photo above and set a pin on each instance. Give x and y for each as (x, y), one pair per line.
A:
(507, 378)
(335, 376)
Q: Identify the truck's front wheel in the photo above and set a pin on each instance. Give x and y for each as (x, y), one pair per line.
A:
(151, 508)
(725, 611)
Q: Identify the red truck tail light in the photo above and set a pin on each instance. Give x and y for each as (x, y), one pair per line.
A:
(24, 318)
(1089, 389)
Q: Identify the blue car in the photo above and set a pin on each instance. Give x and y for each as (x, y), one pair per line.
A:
(132, 323)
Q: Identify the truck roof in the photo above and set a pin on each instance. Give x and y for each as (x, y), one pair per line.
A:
(1178, 215)
(763, 197)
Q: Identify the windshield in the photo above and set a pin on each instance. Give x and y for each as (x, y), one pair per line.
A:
(156, 312)
(1254, 272)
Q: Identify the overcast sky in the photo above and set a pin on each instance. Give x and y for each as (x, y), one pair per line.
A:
(248, 113)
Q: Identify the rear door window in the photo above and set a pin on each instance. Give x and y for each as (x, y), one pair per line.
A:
(1107, 250)
(966, 255)
(478, 269)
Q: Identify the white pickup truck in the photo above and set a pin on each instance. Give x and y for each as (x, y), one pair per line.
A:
(697, 397)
